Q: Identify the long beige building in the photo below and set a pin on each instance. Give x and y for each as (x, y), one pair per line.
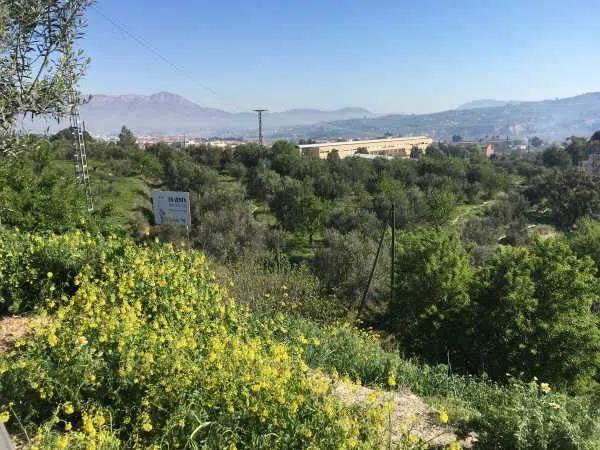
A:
(390, 146)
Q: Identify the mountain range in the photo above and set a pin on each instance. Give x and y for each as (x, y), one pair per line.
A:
(485, 103)
(165, 114)
(549, 119)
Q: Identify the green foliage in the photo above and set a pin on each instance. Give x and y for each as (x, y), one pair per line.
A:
(36, 195)
(533, 310)
(578, 150)
(126, 138)
(535, 142)
(431, 298)
(520, 315)
(68, 134)
(39, 34)
(517, 415)
(149, 351)
(36, 267)
(343, 263)
(585, 240)
(270, 285)
(223, 224)
(554, 157)
(524, 416)
(298, 209)
(570, 195)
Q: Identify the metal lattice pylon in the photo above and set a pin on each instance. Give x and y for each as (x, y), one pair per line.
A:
(80, 156)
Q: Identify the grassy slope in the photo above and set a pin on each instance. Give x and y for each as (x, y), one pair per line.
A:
(129, 197)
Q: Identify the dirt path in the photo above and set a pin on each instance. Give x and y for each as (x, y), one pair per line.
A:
(409, 414)
(11, 329)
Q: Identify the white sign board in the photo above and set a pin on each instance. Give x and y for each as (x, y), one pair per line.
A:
(172, 207)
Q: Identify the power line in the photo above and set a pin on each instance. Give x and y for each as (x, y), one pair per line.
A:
(152, 50)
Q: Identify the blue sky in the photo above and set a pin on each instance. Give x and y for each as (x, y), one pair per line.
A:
(388, 56)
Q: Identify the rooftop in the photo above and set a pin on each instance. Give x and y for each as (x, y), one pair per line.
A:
(368, 141)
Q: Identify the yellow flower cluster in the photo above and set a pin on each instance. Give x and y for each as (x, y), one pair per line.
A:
(154, 340)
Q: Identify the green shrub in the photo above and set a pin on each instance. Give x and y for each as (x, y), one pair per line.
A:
(585, 240)
(150, 351)
(517, 415)
(533, 316)
(431, 302)
(270, 285)
(35, 195)
(35, 268)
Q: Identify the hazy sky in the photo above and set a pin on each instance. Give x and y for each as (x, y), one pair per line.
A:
(388, 56)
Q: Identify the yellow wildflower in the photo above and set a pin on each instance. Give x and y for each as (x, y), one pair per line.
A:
(69, 408)
(443, 416)
(52, 340)
(62, 442)
(147, 427)
(391, 381)
(88, 426)
(545, 388)
(4, 416)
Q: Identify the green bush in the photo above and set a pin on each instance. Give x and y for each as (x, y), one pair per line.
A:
(270, 285)
(533, 316)
(36, 268)
(585, 240)
(150, 353)
(431, 302)
(514, 416)
(35, 195)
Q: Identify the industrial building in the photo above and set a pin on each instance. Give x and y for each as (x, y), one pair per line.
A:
(389, 146)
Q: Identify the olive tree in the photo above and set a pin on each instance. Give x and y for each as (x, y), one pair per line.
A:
(39, 65)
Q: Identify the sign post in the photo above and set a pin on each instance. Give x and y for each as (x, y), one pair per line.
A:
(172, 207)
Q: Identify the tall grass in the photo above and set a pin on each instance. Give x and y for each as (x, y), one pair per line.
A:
(517, 415)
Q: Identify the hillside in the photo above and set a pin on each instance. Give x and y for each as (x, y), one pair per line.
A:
(165, 114)
(549, 119)
(246, 330)
(484, 103)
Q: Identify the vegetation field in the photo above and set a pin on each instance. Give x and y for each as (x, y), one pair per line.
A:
(236, 333)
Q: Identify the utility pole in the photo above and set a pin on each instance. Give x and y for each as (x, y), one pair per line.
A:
(393, 274)
(260, 131)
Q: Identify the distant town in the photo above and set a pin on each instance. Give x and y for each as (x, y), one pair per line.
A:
(388, 146)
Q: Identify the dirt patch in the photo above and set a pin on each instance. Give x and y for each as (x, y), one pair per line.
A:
(408, 415)
(11, 329)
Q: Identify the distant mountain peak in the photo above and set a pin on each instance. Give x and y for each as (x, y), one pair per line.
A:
(166, 113)
(168, 97)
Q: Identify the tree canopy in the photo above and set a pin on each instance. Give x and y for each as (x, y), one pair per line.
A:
(39, 66)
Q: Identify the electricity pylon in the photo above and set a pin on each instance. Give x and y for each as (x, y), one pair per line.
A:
(260, 130)
(80, 156)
